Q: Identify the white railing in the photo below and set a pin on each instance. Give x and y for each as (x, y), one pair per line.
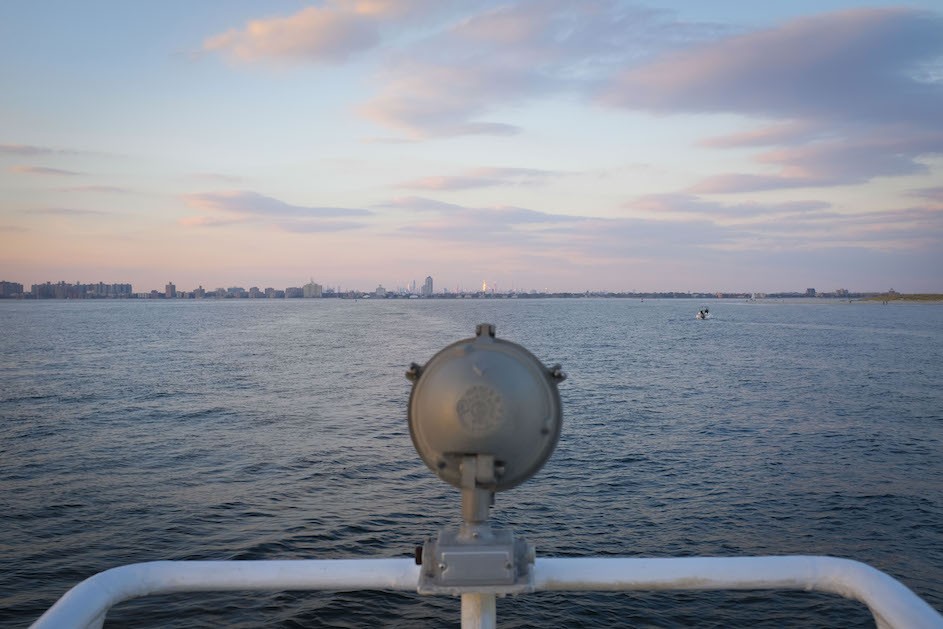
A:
(893, 605)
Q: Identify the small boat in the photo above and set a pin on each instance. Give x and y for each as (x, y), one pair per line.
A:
(702, 313)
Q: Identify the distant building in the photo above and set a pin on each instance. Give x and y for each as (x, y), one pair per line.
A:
(199, 293)
(255, 293)
(293, 292)
(64, 290)
(170, 291)
(10, 289)
(810, 292)
(427, 287)
(312, 290)
(270, 293)
(380, 291)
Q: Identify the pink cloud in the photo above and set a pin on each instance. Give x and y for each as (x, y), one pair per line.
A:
(242, 206)
(329, 33)
(479, 178)
(934, 195)
(852, 65)
(877, 152)
(845, 85)
(42, 170)
(98, 189)
(66, 212)
(29, 149)
(207, 221)
(792, 132)
(457, 79)
(314, 34)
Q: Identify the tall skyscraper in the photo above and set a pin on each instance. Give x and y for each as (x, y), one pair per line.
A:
(427, 287)
(170, 291)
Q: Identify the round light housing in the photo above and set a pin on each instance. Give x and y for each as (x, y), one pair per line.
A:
(486, 396)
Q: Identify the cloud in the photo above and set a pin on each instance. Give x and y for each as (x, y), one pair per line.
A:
(877, 153)
(670, 227)
(682, 205)
(505, 214)
(314, 34)
(933, 194)
(307, 227)
(480, 178)
(450, 68)
(846, 88)
(247, 206)
(217, 177)
(775, 226)
(497, 225)
(248, 203)
(423, 204)
(853, 64)
(61, 211)
(787, 133)
(97, 189)
(28, 149)
(208, 221)
(330, 33)
(462, 75)
(42, 170)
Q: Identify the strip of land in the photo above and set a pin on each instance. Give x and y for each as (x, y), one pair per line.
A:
(903, 297)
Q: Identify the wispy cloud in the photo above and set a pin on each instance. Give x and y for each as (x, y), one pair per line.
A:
(850, 65)
(208, 221)
(62, 211)
(844, 86)
(329, 33)
(493, 226)
(669, 224)
(481, 178)
(247, 206)
(933, 194)
(97, 189)
(876, 153)
(42, 170)
(29, 150)
(217, 177)
(467, 62)
(454, 81)
(688, 205)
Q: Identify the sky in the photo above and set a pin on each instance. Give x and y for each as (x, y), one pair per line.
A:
(552, 145)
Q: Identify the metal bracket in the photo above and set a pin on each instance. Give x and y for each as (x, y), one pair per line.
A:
(487, 561)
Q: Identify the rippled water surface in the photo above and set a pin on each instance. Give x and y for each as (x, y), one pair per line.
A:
(263, 429)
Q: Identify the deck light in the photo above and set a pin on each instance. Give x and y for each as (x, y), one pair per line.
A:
(484, 415)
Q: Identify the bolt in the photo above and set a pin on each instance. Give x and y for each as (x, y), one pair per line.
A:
(557, 373)
(412, 374)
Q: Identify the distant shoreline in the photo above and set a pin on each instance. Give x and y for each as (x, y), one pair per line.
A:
(900, 297)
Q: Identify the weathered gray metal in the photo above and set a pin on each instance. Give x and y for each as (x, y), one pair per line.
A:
(484, 415)
(485, 396)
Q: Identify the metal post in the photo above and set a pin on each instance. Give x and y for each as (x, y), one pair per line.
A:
(478, 611)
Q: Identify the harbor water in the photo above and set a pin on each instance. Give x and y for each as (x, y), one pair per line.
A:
(276, 429)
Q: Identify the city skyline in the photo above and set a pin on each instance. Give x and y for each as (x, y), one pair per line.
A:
(64, 290)
(529, 145)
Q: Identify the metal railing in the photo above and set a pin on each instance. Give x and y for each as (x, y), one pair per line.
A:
(892, 604)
